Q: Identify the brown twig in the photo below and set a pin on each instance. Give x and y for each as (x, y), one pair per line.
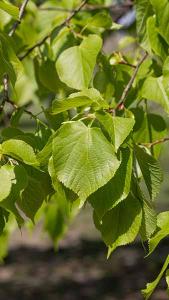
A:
(21, 14)
(130, 83)
(64, 23)
(149, 145)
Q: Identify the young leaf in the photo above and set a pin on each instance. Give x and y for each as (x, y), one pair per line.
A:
(117, 189)
(120, 225)
(151, 171)
(118, 128)
(75, 65)
(150, 287)
(83, 158)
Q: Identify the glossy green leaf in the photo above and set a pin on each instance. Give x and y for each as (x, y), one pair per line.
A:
(79, 161)
(75, 65)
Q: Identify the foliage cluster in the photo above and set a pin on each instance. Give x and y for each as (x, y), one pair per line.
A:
(98, 135)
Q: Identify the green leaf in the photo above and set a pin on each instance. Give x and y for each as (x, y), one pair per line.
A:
(20, 150)
(117, 189)
(163, 231)
(75, 65)
(59, 106)
(150, 287)
(5, 182)
(156, 42)
(167, 279)
(118, 128)
(19, 182)
(148, 128)
(11, 9)
(83, 158)
(51, 82)
(38, 189)
(100, 20)
(151, 171)
(153, 89)
(120, 225)
(9, 62)
(143, 12)
(94, 95)
(162, 12)
(149, 220)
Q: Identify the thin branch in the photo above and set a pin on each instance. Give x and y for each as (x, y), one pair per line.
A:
(150, 145)
(64, 23)
(127, 64)
(130, 83)
(21, 14)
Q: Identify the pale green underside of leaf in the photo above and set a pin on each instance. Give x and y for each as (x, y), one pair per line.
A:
(153, 89)
(12, 10)
(83, 158)
(75, 65)
(150, 287)
(117, 189)
(120, 225)
(20, 150)
(118, 128)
